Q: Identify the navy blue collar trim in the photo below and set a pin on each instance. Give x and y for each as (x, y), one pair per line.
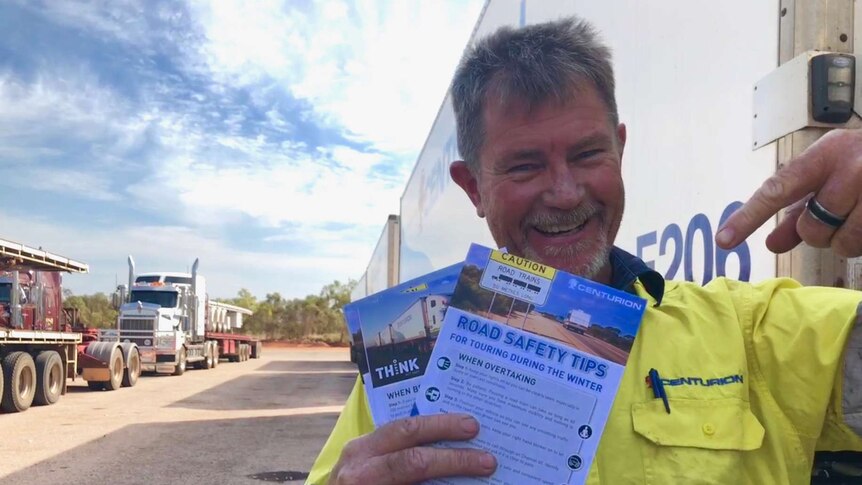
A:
(626, 269)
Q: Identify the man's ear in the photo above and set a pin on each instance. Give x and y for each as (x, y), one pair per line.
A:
(621, 139)
(465, 179)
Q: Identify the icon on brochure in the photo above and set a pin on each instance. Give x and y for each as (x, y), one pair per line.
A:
(443, 363)
(432, 394)
(575, 462)
(585, 432)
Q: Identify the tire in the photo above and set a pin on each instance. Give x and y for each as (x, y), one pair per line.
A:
(116, 368)
(133, 368)
(181, 365)
(256, 349)
(208, 361)
(216, 356)
(19, 374)
(49, 378)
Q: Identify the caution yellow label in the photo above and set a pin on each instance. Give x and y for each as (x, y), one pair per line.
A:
(416, 289)
(523, 264)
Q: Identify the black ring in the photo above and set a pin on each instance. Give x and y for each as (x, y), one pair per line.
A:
(823, 215)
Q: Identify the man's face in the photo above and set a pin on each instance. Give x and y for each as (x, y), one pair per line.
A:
(549, 181)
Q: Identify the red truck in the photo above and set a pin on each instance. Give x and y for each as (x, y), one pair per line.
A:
(41, 343)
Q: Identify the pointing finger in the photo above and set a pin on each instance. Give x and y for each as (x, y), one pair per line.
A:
(804, 175)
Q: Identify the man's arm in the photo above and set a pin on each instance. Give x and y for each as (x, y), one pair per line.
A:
(844, 420)
(807, 350)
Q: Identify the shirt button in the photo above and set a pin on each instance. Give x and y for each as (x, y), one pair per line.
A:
(708, 429)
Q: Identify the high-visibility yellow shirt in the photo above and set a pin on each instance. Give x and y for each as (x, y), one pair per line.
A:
(756, 380)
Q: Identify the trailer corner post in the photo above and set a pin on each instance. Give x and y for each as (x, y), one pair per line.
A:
(824, 25)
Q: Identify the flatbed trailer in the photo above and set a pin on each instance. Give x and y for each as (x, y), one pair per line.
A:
(41, 346)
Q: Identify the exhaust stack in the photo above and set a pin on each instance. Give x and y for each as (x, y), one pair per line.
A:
(131, 274)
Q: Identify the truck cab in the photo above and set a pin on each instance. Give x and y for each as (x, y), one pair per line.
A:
(30, 300)
(164, 314)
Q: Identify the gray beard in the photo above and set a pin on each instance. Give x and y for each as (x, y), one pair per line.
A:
(589, 269)
(574, 217)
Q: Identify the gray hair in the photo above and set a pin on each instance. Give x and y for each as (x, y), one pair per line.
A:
(535, 64)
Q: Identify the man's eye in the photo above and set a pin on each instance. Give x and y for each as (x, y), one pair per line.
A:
(589, 154)
(524, 167)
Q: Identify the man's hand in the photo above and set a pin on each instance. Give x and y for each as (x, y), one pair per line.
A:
(394, 453)
(830, 171)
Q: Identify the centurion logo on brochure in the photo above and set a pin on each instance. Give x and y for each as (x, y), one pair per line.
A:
(536, 355)
(396, 330)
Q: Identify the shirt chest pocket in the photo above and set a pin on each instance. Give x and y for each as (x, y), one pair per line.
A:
(699, 442)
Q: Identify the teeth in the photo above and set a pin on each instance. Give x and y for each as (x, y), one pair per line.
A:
(559, 229)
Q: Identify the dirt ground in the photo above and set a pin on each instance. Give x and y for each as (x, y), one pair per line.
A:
(243, 423)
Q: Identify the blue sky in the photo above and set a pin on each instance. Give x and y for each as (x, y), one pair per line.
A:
(270, 139)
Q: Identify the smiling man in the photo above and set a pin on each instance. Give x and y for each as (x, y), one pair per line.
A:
(524, 188)
(758, 377)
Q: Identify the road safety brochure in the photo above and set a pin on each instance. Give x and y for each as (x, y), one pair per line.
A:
(395, 330)
(536, 355)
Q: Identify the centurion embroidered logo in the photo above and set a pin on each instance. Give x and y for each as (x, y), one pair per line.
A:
(700, 381)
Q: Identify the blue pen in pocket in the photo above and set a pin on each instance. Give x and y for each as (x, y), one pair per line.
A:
(658, 389)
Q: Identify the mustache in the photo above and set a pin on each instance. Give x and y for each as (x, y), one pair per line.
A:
(574, 217)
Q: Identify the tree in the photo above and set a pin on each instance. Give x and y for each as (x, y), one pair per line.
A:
(93, 310)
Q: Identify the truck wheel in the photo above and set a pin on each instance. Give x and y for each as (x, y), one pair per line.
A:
(49, 378)
(215, 355)
(208, 362)
(133, 369)
(255, 350)
(115, 366)
(181, 365)
(19, 372)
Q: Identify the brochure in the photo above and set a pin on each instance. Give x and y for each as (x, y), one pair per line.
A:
(397, 328)
(536, 355)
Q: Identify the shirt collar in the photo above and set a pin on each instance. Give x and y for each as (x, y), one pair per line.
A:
(626, 269)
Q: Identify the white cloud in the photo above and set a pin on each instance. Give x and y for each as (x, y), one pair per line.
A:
(174, 248)
(62, 181)
(60, 101)
(122, 21)
(275, 183)
(376, 72)
(378, 69)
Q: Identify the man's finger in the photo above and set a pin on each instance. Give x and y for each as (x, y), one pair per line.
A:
(847, 241)
(784, 237)
(418, 464)
(420, 430)
(803, 175)
(838, 196)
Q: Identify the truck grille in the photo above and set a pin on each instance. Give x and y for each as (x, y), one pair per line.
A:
(138, 330)
(138, 324)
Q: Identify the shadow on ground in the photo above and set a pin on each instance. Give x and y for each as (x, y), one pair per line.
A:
(304, 386)
(214, 451)
(307, 366)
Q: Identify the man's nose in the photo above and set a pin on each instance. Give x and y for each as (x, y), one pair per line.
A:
(563, 190)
